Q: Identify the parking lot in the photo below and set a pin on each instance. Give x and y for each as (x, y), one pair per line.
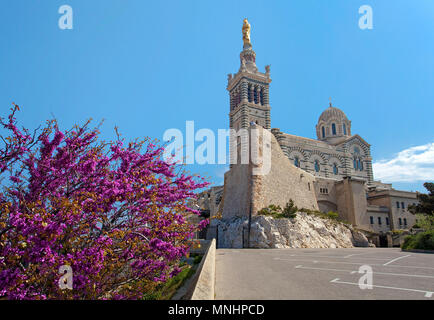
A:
(323, 274)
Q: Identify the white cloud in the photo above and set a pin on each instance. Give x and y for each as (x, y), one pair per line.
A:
(409, 165)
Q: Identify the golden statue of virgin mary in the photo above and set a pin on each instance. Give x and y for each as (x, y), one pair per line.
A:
(246, 32)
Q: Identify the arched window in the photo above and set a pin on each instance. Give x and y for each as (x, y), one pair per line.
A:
(316, 163)
(323, 131)
(345, 129)
(333, 129)
(356, 159)
(360, 165)
(249, 93)
(297, 162)
(256, 92)
(335, 169)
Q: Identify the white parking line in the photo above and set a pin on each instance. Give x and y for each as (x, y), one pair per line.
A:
(428, 294)
(358, 254)
(352, 255)
(354, 271)
(356, 263)
(334, 257)
(396, 259)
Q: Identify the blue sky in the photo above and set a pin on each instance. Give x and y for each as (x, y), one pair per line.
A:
(147, 66)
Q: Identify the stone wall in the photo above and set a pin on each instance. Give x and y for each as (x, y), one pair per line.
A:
(284, 182)
(325, 190)
(245, 190)
(236, 193)
(352, 203)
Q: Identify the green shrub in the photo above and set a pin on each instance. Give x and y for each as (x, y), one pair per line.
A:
(425, 222)
(271, 210)
(197, 259)
(166, 290)
(308, 211)
(397, 231)
(276, 212)
(333, 215)
(290, 210)
(422, 241)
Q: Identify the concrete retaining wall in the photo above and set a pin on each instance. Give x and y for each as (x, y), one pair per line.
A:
(203, 284)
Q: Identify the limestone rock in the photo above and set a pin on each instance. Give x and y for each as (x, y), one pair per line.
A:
(359, 239)
(304, 231)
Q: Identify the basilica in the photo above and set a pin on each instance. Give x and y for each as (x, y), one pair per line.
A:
(330, 173)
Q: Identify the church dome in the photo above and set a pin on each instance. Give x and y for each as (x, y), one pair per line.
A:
(332, 113)
(333, 125)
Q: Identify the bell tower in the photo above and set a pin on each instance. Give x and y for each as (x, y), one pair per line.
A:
(249, 89)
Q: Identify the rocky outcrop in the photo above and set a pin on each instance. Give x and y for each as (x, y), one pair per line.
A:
(304, 231)
(359, 239)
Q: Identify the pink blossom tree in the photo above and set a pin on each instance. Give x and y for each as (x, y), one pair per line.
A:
(115, 212)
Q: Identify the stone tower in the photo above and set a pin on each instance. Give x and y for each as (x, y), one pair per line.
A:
(249, 89)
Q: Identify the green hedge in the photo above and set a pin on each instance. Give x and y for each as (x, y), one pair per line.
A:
(421, 241)
(290, 211)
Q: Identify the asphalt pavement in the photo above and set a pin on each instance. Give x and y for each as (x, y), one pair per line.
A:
(357, 273)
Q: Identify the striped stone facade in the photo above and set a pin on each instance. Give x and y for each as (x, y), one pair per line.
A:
(350, 157)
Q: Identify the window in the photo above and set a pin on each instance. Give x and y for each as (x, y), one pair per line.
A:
(360, 165)
(405, 222)
(333, 129)
(323, 190)
(387, 220)
(255, 95)
(379, 221)
(308, 185)
(297, 162)
(371, 219)
(345, 129)
(335, 169)
(316, 166)
(402, 205)
(355, 163)
(323, 132)
(397, 204)
(400, 221)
